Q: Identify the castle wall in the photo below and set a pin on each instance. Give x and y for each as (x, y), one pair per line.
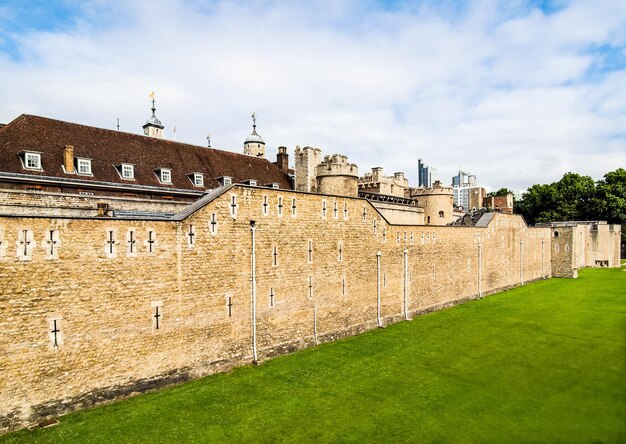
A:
(400, 214)
(33, 203)
(317, 262)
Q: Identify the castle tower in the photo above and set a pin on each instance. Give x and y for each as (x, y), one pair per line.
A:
(307, 159)
(153, 126)
(336, 176)
(436, 202)
(254, 144)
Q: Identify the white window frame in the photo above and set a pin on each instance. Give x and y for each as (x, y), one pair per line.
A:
(127, 171)
(36, 157)
(80, 164)
(198, 179)
(227, 181)
(165, 175)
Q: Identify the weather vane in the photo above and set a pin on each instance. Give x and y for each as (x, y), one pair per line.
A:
(153, 107)
(208, 139)
(254, 121)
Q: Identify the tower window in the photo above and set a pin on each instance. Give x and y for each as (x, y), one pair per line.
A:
(441, 214)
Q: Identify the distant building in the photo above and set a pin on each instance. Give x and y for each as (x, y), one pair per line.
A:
(464, 179)
(426, 174)
(467, 194)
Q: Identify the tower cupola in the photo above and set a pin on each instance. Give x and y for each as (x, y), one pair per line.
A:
(254, 144)
(153, 126)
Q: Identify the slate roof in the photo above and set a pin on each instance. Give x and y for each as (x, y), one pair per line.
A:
(109, 148)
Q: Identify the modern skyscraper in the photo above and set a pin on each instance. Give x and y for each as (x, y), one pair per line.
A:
(426, 174)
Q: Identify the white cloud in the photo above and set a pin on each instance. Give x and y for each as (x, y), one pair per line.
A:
(500, 89)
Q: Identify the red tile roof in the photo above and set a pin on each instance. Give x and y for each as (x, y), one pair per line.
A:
(109, 148)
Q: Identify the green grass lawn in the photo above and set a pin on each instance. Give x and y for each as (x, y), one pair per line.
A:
(540, 363)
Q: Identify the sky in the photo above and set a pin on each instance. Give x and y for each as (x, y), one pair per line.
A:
(516, 92)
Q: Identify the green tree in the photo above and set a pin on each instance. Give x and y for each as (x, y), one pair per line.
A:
(609, 202)
(500, 192)
(571, 198)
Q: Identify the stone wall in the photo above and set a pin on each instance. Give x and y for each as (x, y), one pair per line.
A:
(34, 203)
(324, 265)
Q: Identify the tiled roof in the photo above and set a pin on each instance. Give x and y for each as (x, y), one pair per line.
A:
(109, 148)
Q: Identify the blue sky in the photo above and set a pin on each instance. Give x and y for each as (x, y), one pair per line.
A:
(516, 92)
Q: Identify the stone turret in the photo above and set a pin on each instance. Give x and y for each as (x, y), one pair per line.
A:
(153, 126)
(336, 176)
(254, 145)
(437, 203)
(307, 159)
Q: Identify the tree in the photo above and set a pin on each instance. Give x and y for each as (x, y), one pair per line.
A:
(500, 192)
(609, 202)
(571, 198)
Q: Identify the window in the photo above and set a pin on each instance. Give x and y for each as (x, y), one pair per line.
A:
(441, 214)
(198, 179)
(233, 206)
(32, 161)
(266, 206)
(165, 175)
(25, 245)
(128, 171)
(151, 241)
(280, 206)
(252, 183)
(228, 181)
(84, 166)
(275, 186)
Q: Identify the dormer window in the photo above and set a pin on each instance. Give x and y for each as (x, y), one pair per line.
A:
(164, 175)
(225, 180)
(274, 185)
(251, 182)
(127, 171)
(83, 166)
(31, 160)
(197, 179)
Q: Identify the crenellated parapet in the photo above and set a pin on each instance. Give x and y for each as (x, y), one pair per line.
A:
(335, 175)
(437, 203)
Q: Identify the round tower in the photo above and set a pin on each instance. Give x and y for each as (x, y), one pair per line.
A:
(153, 126)
(254, 145)
(336, 176)
(437, 203)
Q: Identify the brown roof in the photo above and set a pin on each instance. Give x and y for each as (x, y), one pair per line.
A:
(109, 148)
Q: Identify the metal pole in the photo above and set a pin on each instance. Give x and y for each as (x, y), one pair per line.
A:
(378, 254)
(406, 284)
(543, 274)
(315, 324)
(480, 269)
(521, 262)
(253, 272)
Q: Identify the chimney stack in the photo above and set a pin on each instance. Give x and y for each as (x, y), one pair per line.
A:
(68, 159)
(282, 159)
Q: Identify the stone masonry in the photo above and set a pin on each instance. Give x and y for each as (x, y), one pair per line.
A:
(95, 309)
